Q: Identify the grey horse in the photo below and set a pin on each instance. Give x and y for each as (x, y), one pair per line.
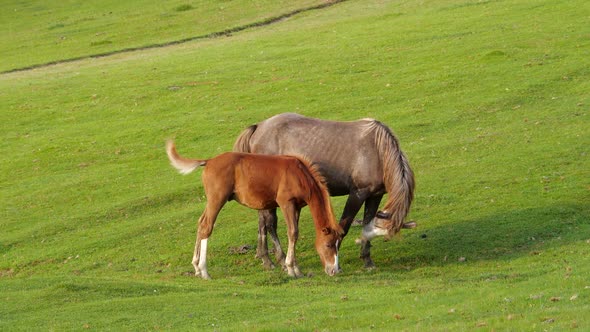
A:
(361, 159)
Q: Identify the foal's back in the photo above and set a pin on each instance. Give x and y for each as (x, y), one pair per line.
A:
(254, 180)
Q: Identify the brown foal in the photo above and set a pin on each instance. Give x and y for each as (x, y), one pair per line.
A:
(264, 182)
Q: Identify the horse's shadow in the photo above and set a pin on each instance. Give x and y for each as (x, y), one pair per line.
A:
(502, 236)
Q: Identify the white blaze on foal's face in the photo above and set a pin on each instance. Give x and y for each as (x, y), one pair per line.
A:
(336, 265)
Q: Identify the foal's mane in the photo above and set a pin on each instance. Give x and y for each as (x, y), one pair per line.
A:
(316, 179)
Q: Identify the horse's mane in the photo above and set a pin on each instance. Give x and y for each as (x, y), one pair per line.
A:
(316, 179)
(398, 177)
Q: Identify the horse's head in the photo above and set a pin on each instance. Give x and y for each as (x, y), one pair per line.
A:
(327, 244)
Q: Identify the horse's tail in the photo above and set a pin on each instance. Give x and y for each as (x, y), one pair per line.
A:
(398, 178)
(242, 143)
(183, 165)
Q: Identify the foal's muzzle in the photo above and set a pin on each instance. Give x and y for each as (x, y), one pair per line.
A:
(332, 270)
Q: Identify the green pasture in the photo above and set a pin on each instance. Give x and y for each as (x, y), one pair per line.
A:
(489, 100)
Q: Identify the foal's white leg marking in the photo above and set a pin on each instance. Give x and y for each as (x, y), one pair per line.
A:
(290, 262)
(196, 259)
(203, 260)
(203, 256)
(289, 259)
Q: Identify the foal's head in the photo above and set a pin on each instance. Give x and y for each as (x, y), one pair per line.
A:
(326, 244)
(328, 233)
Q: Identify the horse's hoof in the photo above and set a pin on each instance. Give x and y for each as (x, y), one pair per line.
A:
(369, 265)
(410, 225)
(268, 265)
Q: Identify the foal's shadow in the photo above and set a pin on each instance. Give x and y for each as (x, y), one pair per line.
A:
(502, 236)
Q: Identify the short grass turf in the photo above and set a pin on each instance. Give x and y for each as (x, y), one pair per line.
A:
(489, 99)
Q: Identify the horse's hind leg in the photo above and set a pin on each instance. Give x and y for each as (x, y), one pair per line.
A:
(262, 248)
(267, 223)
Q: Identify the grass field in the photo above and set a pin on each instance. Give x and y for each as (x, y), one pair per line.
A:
(489, 100)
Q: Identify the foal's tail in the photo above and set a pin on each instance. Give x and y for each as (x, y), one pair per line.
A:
(183, 165)
(242, 144)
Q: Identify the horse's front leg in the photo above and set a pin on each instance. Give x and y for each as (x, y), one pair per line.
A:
(292, 218)
(371, 207)
(355, 200)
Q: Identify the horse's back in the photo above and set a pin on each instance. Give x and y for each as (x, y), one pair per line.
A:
(344, 151)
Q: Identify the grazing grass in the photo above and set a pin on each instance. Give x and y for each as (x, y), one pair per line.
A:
(489, 99)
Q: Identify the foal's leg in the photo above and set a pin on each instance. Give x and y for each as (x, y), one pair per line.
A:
(206, 222)
(197, 253)
(291, 214)
(371, 207)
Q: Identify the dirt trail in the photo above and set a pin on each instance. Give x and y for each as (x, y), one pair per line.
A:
(211, 35)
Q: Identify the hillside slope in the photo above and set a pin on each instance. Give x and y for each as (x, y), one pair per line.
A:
(489, 100)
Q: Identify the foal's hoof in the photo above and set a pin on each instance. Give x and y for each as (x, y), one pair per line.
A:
(203, 274)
